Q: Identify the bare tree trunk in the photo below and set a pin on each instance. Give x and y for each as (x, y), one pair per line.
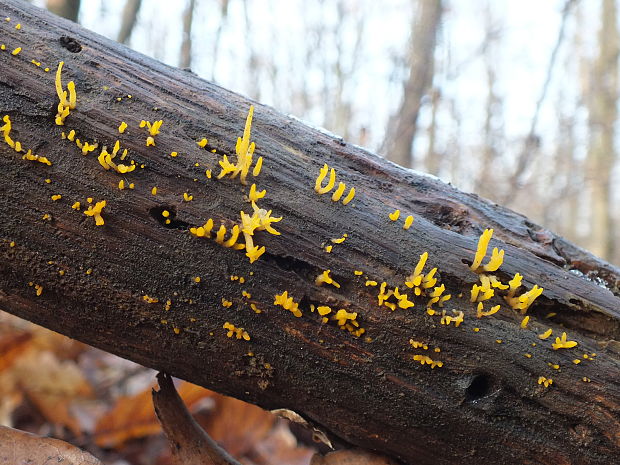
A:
(403, 125)
(602, 105)
(185, 60)
(433, 158)
(130, 285)
(128, 20)
(69, 9)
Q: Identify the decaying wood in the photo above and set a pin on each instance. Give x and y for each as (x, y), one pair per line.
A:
(484, 404)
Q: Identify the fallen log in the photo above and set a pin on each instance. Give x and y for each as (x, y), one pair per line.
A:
(439, 382)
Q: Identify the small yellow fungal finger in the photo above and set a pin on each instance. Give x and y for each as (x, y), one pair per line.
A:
(338, 192)
(16, 51)
(394, 215)
(257, 167)
(202, 143)
(349, 196)
(408, 222)
(122, 127)
(481, 251)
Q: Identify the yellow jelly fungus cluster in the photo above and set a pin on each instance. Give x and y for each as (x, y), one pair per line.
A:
(325, 278)
(260, 220)
(523, 301)
(153, 129)
(5, 129)
(38, 288)
(348, 321)
(245, 153)
(562, 343)
(67, 98)
(318, 186)
(418, 344)
(402, 300)
(226, 303)
(322, 310)
(339, 240)
(233, 331)
(424, 284)
(288, 303)
(95, 211)
(456, 318)
(394, 215)
(545, 381)
(426, 360)
(105, 160)
(187, 197)
(497, 256)
(56, 197)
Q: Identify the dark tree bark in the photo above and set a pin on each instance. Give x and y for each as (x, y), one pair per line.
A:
(483, 404)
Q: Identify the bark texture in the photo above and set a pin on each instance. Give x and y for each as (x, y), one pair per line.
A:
(484, 404)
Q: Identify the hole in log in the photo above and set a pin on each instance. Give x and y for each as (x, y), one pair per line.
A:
(479, 387)
(158, 215)
(70, 44)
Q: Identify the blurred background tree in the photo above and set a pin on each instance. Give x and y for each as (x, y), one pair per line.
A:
(515, 101)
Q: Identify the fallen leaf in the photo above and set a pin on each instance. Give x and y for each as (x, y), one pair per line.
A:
(133, 416)
(19, 447)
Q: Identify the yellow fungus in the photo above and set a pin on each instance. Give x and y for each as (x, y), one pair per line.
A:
(370, 283)
(358, 273)
(288, 303)
(154, 190)
(545, 381)
(187, 197)
(408, 222)
(546, 334)
(325, 278)
(16, 51)
(233, 331)
(481, 251)
(76, 206)
(394, 215)
(18, 26)
(208, 174)
(197, 279)
(95, 211)
(122, 127)
(150, 300)
(481, 312)
(476, 330)
(328, 248)
(255, 195)
(150, 141)
(527, 355)
(257, 166)
(349, 196)
(424, 359)
(173, 154)
(340, 240)
(496, 260)
(202, 143)
(576, 361)
(56, 197)
(524, 322)
(319, 180)
(563, 343)
(338, 192)
(12, 244)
